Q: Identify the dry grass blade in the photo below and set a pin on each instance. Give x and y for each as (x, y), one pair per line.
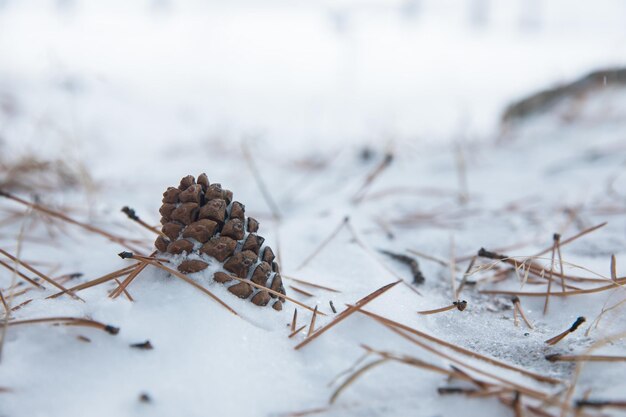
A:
(459, 349)
(106, 278)
(545, 305)
(295, 332)
(584, 358)
(7, 310)
(113, 238)
(190, 282)
(122, 287)
(573, 238)
(294, 319)
(438, 352)
(301, 291)
(312, 324)
(39, 274)
(347, 312)
(618, 284)
(276, 293)
(24, 277)
(354, 377)
(459, 305)
(68, 321)
(311, 284)
(323, 244)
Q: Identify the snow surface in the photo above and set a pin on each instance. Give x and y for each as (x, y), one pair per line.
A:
(144, 94)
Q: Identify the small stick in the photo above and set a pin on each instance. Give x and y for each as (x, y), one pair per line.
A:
(125, 292)
(556, 294)
(98, 281)
(418, 277)
(301, 291)
(190, 282)
(295, 332)
(122, 287)
(613, 268)
(143, 345)
(332, 306)
(459, 349)
(347, 312)
(555, 239)
(323, 244)
(459, 305)
(7, 310)
(517, 306)
(69, 321)
(295, 318)
(466, 274)
(557, 357)
(133, 216)
(312, 325)
(600, 404)
(310, 284)
(456, 390)
(556, 339)
(576, 236)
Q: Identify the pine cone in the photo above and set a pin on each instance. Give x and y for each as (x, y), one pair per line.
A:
(205, 228)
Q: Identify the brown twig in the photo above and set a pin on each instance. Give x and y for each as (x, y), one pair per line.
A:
(557, 357)
(459, 305)
(39, 274)
(294, 319)
(347, 312)
(556, 339)
(131, 214)
(298, 330)
(69, 321)
(108, 277)
(311, 284)
(459, 349)
(190, 282)
(517, 308)
(555, 239)
(418, 277)
(312, 324)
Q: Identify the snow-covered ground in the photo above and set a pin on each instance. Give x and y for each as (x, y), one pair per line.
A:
(133, 97)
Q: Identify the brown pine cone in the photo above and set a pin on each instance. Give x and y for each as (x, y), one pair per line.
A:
(205, 228)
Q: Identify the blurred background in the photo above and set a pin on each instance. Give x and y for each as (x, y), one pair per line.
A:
(302, 74)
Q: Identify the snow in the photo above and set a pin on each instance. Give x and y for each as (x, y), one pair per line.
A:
(142, 94)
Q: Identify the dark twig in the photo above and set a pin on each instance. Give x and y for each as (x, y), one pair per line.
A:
(556, 339)
(412, 263)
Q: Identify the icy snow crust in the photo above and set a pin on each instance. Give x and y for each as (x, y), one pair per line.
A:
(136, 140)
